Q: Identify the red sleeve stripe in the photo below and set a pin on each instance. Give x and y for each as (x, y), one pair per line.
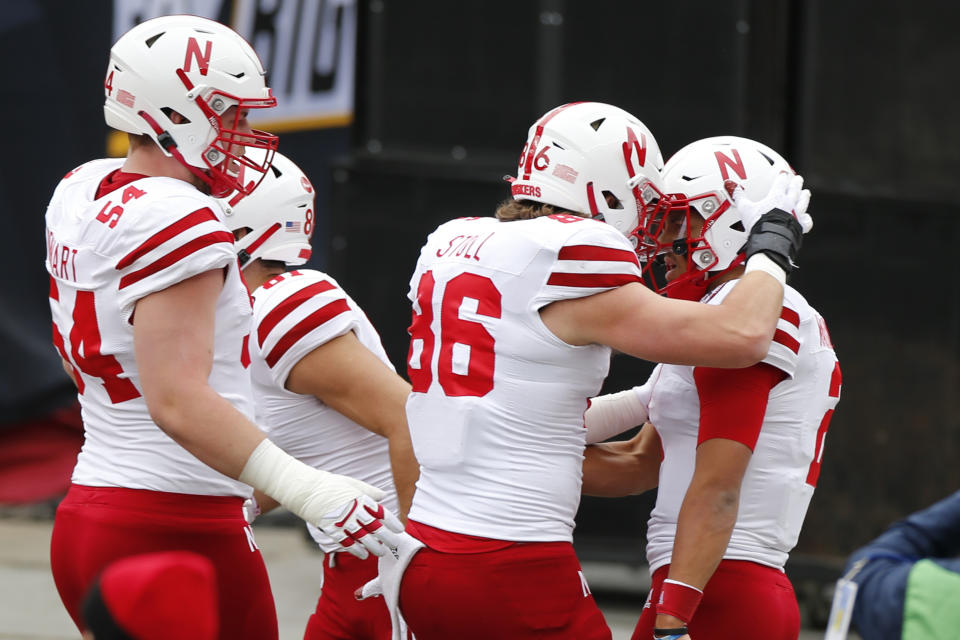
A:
(836, 380)
(733, 402)
(592, 280)
(197, 217)
(54, 290)
(784, 338)
(790, 316)
(599, 254)
(286, 307)
(316, 319)
(176, 255)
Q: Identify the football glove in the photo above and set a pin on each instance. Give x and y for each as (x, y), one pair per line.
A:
(344, 508)
(390, 568)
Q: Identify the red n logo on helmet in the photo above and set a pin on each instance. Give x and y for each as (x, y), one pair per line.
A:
(193, 51)
(726, 161)
(633, 144)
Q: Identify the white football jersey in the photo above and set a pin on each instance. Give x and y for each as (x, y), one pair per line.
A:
(496, 413)
(103, 255)
(293, 314)
(783, 470)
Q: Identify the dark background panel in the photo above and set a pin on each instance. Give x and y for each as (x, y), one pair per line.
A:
(449, 73)
(52, 106)
(879, 101)
(622, 61)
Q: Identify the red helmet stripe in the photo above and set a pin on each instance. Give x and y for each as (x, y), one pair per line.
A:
(263, 238)
(531, 149)
(591, 199)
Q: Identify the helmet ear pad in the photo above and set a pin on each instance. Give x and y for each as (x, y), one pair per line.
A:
(590, 158)
(188, 83)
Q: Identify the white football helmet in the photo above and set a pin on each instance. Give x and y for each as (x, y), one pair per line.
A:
(197, 68)
(701, 177)
(279, 214)
(591, 158)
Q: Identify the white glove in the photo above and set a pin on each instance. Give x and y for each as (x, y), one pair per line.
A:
(786, 193)
(363, 520)
(343, 508)
(390, 570)
(250, 509)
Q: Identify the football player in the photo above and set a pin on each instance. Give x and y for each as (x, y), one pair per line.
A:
(514, 317)
(324, 388)
(151, 318)
(741, 448)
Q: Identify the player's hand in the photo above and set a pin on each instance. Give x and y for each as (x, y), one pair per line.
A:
(250, 509)
(786, 193)
(685, 636)
(344, 508)
(363, 525)
(390, 570)
(778, 235)
(777, 221)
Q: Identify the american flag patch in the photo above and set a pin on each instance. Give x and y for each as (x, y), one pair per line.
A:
(564, 172)
(292, 226)
(125, 98)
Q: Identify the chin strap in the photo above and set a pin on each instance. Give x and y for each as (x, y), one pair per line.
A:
(244, 255)
(693, 288)
(698, 284)
(169, 145)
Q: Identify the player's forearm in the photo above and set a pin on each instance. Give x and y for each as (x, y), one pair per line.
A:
(205, 424)
(265, 503)
(406, 471)
(737, 333)
(706, 521)
(755, 302)
(614, 470)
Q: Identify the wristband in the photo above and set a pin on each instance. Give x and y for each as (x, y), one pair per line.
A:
(674, 633)
(678, 599)
(762, 262)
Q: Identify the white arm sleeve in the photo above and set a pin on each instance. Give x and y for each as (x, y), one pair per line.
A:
(612, 414)
(312, 494)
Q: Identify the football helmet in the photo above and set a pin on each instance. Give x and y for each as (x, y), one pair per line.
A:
(279, 215)
(700, 179)
(591, 158)
(199, 69)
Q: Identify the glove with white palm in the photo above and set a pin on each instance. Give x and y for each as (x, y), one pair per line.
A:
(344, 508)
(777, 221)
(786, 193)
(390, 570)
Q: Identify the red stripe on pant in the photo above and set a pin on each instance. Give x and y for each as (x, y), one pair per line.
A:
(97, 525)
(742, 601)
(529, 590)
(339, 614)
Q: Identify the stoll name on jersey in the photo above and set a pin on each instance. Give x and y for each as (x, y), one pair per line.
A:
(462, 246)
